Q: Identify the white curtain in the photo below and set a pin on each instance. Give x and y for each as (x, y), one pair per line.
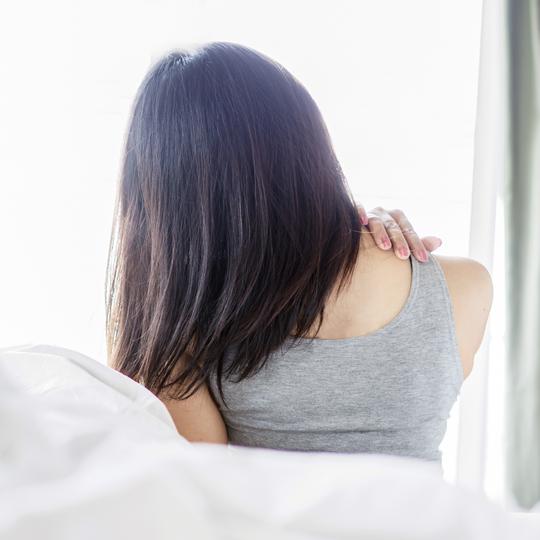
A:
(490, 162)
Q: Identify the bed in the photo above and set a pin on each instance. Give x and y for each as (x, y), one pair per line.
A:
(88, 453)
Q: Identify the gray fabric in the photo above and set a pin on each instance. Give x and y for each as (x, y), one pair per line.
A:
(388, 392)
(522, 206)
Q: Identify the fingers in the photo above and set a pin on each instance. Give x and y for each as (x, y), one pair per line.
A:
(387, 233)
(414, 243)
(394, 226)
(378, 230)
(363, 214)
(431, 243)
(401, 248)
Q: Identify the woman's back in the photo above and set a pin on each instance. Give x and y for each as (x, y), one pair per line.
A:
(234, 222)
(381, 376)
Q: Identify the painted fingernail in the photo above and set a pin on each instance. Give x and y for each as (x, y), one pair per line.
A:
(386, 243)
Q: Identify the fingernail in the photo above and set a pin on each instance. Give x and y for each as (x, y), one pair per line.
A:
(404, 252)
(386, 243)
(365, 220)
(423, 256)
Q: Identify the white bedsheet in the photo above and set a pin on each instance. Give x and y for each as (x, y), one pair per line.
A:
(86, 453)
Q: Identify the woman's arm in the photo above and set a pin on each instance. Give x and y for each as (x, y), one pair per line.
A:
(197, 418)
(471, 292)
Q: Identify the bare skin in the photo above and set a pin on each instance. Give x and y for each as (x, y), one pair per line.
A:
(381, 284)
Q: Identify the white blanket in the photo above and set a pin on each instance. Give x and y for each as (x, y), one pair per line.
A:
(86, 453)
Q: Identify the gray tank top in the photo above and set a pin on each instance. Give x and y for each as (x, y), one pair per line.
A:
(388, 392)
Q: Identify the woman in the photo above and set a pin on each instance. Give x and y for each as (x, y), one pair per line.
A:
(242, 292)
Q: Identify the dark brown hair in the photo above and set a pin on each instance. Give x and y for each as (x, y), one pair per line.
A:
(233, 220)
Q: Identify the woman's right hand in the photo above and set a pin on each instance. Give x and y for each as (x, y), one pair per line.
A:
(391, 228)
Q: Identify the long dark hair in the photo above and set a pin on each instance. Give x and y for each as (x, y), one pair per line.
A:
(233, 220)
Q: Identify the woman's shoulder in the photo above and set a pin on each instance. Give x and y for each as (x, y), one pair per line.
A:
(467, 278)
(471, 291)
